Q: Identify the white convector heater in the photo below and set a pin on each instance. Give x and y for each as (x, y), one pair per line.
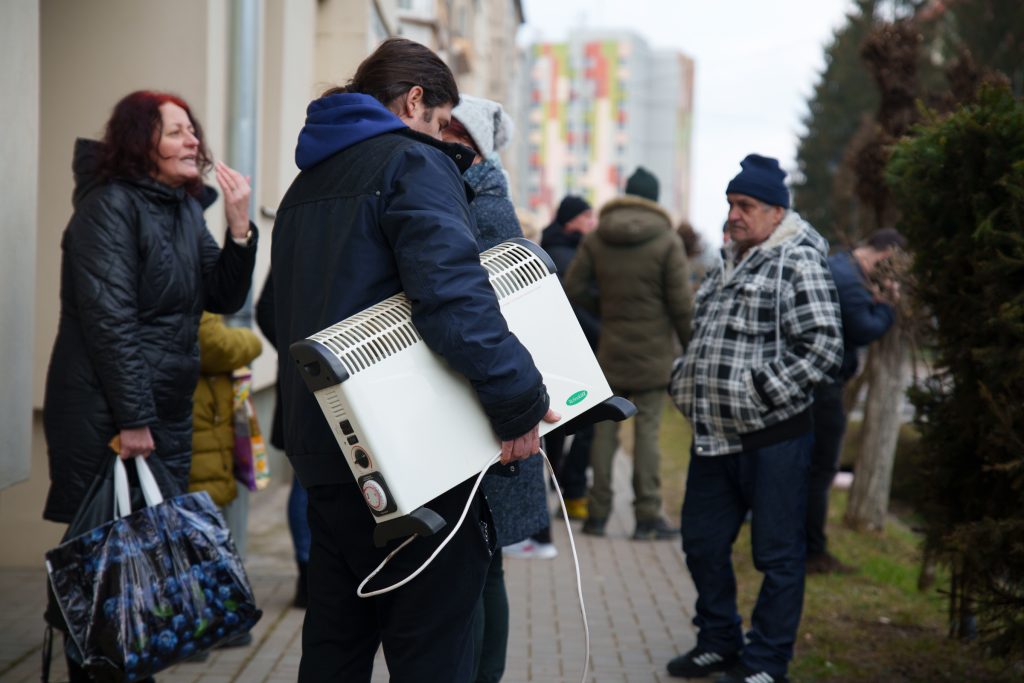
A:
(409, 426)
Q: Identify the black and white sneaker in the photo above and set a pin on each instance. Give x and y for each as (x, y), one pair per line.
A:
(744, 674)
(700, 663)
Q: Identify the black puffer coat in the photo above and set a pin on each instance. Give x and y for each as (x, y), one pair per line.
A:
(139, 266)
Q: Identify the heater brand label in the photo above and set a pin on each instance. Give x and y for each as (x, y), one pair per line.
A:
(576, 398)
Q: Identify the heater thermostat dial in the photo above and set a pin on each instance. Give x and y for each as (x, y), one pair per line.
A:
(375, 496)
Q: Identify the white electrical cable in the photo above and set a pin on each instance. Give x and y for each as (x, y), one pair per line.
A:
(458, 525)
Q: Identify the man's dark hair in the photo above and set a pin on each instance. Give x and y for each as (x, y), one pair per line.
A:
(395, 67)
(886, 238)
(692, 242)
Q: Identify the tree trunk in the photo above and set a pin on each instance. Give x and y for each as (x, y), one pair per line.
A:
(872, 479)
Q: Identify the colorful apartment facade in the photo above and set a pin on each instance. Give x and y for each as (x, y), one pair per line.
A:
(595, 108)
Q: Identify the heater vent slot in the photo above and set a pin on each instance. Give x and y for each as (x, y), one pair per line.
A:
(512, 268)
(333, 400)
(381, 331)
(369, 337)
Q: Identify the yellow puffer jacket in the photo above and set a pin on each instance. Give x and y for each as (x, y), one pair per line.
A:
(222, 349)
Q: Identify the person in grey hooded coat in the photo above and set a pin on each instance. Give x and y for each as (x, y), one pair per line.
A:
(518, 503)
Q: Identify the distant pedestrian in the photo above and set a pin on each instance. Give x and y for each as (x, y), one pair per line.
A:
(766, 331)
(631, 272)
(574, 220)
(701, 259)
(867, 315)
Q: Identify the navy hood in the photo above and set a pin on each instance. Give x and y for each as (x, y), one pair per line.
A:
(337, 122)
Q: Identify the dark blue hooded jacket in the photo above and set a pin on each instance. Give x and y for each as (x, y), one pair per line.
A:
(377, 209)
(864, 319)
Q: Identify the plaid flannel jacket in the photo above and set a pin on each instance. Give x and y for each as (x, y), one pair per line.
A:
(766, 331)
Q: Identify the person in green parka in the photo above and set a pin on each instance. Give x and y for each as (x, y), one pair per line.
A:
(632, 272)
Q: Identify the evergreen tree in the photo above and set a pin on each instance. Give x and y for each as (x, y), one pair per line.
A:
(993, 32)
(844, 95)
(959, 184)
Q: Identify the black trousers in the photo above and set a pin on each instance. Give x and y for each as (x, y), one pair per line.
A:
(829, 427)
(571, 467)
(426, 626)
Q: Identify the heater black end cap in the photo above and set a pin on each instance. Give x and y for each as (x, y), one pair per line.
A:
(615, 409)
(421, 521)
(318, 366)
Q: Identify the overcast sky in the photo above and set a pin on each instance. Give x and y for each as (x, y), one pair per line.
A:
(756, 64)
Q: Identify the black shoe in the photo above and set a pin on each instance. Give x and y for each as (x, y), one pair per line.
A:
(654, 530)
(744, 674)
(594, 526)
(700, 663)
(301, 593)
(827, 563)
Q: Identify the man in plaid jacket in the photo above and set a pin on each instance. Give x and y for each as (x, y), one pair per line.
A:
(766, 330)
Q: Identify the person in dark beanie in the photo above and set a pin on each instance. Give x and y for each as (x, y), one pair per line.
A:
(380, 207)
(766, 330)
(867, 315)
(642, 183)
(632, 272)
(573, 221)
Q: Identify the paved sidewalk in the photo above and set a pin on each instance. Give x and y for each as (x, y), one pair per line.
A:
(638, 595)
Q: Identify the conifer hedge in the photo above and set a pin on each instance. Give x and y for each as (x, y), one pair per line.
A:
(958, 181)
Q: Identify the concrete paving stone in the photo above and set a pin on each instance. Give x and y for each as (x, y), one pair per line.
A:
(639, 602)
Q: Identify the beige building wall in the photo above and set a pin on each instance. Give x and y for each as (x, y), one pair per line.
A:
(19, 112)
(90, 55)
(346, 32)
(81, 57)
(288, 85)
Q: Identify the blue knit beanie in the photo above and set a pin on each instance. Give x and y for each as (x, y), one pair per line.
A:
(761, 178)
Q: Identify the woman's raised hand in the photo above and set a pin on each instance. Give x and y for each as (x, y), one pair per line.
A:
(235, 188)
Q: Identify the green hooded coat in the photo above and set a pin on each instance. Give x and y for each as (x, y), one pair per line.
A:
(632, 272)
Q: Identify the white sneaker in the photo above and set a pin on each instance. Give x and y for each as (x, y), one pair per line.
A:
(530, 550)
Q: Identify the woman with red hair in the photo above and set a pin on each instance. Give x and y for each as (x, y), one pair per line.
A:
(138, 268)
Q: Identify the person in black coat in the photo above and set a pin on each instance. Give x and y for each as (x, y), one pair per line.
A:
(380, 207)
(139, 266)
(573, 221)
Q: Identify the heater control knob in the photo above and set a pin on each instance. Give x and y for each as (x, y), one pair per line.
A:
(375, 496)
(360, 457)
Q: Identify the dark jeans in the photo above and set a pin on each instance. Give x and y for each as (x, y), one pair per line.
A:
(490, 625)
(426, 626)
(771, 482)
(829, 427)
(570, 467)
(297, 522)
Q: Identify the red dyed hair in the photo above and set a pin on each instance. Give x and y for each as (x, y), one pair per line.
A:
(132, 134)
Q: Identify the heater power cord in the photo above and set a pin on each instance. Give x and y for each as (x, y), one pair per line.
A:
(476, 485)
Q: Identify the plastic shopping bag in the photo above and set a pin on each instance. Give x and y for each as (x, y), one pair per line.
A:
(152, 587)
(252, 465)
